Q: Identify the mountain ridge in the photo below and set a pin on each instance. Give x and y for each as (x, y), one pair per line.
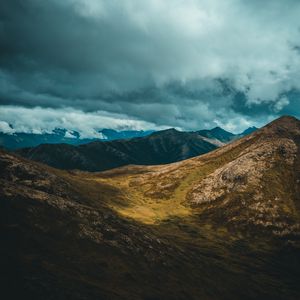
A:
(157, 148)
(161, 147)
(17, 140)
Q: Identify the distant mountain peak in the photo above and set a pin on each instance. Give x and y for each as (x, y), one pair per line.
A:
(217, 133)
(170, 130)
(165, 131)
(219, 129)
(249, 130)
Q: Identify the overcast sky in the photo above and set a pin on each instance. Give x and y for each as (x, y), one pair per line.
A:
(189, 64)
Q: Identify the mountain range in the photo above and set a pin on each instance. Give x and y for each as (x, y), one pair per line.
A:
(223, 225)
(224, 136)
(160, 147)
(19, 140)
(60, 135)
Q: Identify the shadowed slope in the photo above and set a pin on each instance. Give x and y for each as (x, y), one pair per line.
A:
(158, 148)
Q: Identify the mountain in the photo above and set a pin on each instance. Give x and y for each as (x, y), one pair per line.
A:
(224, 225)
(249, 184)
(248, 131)
(217, 133)
(62, 136)
(224, 136)
(21, 140)
(111, 134)
(158, 148)
(59, 136)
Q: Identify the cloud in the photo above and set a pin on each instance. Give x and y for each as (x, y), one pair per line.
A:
(69, 134)
(172, 62)
(6, 128)
(284, 101)
(41, 120)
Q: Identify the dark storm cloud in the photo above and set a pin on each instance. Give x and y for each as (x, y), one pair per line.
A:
(188, 64)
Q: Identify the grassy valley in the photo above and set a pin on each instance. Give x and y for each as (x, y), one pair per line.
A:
(224, 225)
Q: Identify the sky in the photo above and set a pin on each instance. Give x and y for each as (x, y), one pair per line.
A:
(189, 64)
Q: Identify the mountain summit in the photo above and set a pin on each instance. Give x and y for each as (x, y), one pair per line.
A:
(217, 133)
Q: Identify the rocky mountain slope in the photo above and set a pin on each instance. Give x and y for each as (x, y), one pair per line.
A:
(224, 225)
(158, 148)
(252, 183)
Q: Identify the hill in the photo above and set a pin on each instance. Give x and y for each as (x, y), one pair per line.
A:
(251, 183)
(224, 225)
(218, 133)
(158, 148)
